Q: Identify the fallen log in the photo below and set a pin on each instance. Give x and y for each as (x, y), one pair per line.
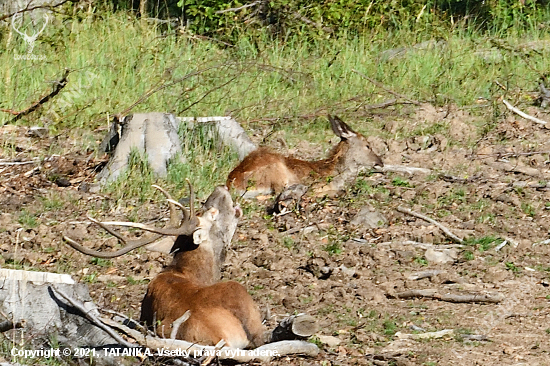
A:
(488, 297)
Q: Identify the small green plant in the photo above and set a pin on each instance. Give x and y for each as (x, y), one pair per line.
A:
(421, 260)
(333, 248)
(390, 327)
(484, 243)
(91, 278)
(53, 202)
(132, 281)
(468, 255)
(101, 262)
(512, 267)
(528, 209)
(400, 182)
(288, 242)
(27, 220)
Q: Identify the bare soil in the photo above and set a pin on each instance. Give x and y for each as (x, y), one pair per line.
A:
(489, 182)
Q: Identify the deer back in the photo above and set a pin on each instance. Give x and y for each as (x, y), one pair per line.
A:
(264, 171)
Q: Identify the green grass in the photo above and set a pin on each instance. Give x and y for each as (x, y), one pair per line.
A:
(268, 85)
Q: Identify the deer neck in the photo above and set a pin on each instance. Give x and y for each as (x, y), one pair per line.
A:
(334, 163)
(195, 262)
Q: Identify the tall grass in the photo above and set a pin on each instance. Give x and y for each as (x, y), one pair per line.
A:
(116, 60)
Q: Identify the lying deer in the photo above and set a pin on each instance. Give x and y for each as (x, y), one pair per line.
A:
(265, 172)
(217, 310)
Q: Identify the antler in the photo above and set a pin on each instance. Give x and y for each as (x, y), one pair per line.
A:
(175, 227)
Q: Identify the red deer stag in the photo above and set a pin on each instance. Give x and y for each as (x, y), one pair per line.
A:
(265, 172)
(218, 310)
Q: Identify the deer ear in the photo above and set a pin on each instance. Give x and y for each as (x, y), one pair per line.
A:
(341, 129)
(205, 223)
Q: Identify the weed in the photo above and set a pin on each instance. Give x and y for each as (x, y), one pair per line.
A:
(421, 260)
(101, 262)
(132, 281)
(27, 220)
(91, 278)
(390, 327)
(333, 248)
(484, 243)
(468, 255)
(512, 267)
(400, 182)
(288, 242)
(528, 209)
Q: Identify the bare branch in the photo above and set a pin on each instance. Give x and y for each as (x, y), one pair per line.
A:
(58, 86)
(495, 297)
(239, 8)
(523, 114)
(447, 232)
(31, 8)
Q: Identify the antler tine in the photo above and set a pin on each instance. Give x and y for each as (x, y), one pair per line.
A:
(191, 199)
(186, 227)
(174, 220)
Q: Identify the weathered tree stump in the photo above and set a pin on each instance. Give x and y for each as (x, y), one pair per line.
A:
(156, 135)
(34, 311)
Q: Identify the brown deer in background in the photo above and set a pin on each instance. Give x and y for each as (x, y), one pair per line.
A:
(264, 171)
(217, 310)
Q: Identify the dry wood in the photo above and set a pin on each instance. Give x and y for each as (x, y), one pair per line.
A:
(523, 114)
(428, 335)
(217, 347)
(424, 246)
(282, 348)
(402, 169)
(424, 274)
(456, 298)
(294, 327)
(94, 319)
(58, 86)
(178, 322)
(543, 242)
(239, 8)
(447, 232)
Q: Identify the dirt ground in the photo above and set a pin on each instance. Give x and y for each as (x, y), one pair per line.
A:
(489, 182)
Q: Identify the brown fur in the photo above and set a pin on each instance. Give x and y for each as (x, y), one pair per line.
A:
(218, 310)
(265, 171)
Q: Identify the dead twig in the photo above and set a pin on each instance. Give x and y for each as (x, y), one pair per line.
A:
(445, 230)
(381, 86)
(424, 274)
(31, 8)
(427, 335)
(239, 8)
(410, 170)
(456, 298)
(217, 347)
(58, 86)
(178, 322)
(523, 114)
(87, 313)
(509, 155)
